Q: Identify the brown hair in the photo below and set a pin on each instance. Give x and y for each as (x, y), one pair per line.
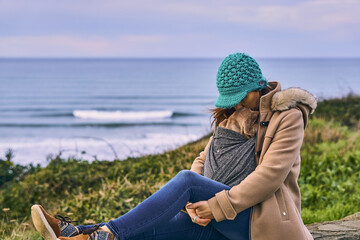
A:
(219, 115)
(249, 101)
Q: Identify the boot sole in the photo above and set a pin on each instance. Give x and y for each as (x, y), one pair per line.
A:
(41, 224)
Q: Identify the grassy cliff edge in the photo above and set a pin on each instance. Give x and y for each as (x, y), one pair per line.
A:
(102, 190)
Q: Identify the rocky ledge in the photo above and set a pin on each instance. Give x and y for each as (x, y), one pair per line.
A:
(346, 228)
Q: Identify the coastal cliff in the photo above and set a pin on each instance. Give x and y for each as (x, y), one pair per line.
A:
(101, 190)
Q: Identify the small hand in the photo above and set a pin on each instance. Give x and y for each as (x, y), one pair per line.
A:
(200, 221)
(202, 209)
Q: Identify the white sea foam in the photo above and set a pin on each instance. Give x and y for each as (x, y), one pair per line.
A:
(35, 150)
(121, 115)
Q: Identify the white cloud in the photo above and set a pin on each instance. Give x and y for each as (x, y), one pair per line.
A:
(307, 16)
(63, 45)
(179, 28)
(310, 15)
(191, 45)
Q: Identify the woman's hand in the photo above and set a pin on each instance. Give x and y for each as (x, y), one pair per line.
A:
(202, 210)
(200, 221)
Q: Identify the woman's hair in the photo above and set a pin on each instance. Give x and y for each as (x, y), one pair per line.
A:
(219, 114)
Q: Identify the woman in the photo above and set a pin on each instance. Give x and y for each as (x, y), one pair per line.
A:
(242, 186)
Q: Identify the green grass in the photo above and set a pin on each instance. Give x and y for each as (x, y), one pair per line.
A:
(329, 174)
(102, 190)
(343, 110)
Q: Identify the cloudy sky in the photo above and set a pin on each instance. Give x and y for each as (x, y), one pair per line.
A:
(174, 28)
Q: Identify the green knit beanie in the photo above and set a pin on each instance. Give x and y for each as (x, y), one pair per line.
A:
(238, 74)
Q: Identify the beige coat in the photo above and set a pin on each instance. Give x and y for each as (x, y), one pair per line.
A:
(272, 189)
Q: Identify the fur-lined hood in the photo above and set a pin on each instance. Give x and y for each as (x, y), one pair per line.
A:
(274, 99)
(287, 98)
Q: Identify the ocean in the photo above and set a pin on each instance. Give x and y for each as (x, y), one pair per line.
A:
(115, 108)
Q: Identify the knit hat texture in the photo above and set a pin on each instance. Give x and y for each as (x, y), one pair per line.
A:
(237, 75)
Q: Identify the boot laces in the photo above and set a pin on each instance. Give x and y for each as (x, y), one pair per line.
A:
(64, 219)
(90, 231)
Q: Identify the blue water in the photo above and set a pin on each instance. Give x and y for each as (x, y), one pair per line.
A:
(115, 108)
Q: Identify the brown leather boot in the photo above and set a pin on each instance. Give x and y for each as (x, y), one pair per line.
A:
(91, 234)
(51, 227)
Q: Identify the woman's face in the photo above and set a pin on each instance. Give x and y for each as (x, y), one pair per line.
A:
(251, 100)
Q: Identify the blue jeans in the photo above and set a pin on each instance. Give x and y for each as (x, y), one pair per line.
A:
(159, 216)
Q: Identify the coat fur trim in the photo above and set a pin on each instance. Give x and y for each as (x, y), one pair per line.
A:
(289, 97)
